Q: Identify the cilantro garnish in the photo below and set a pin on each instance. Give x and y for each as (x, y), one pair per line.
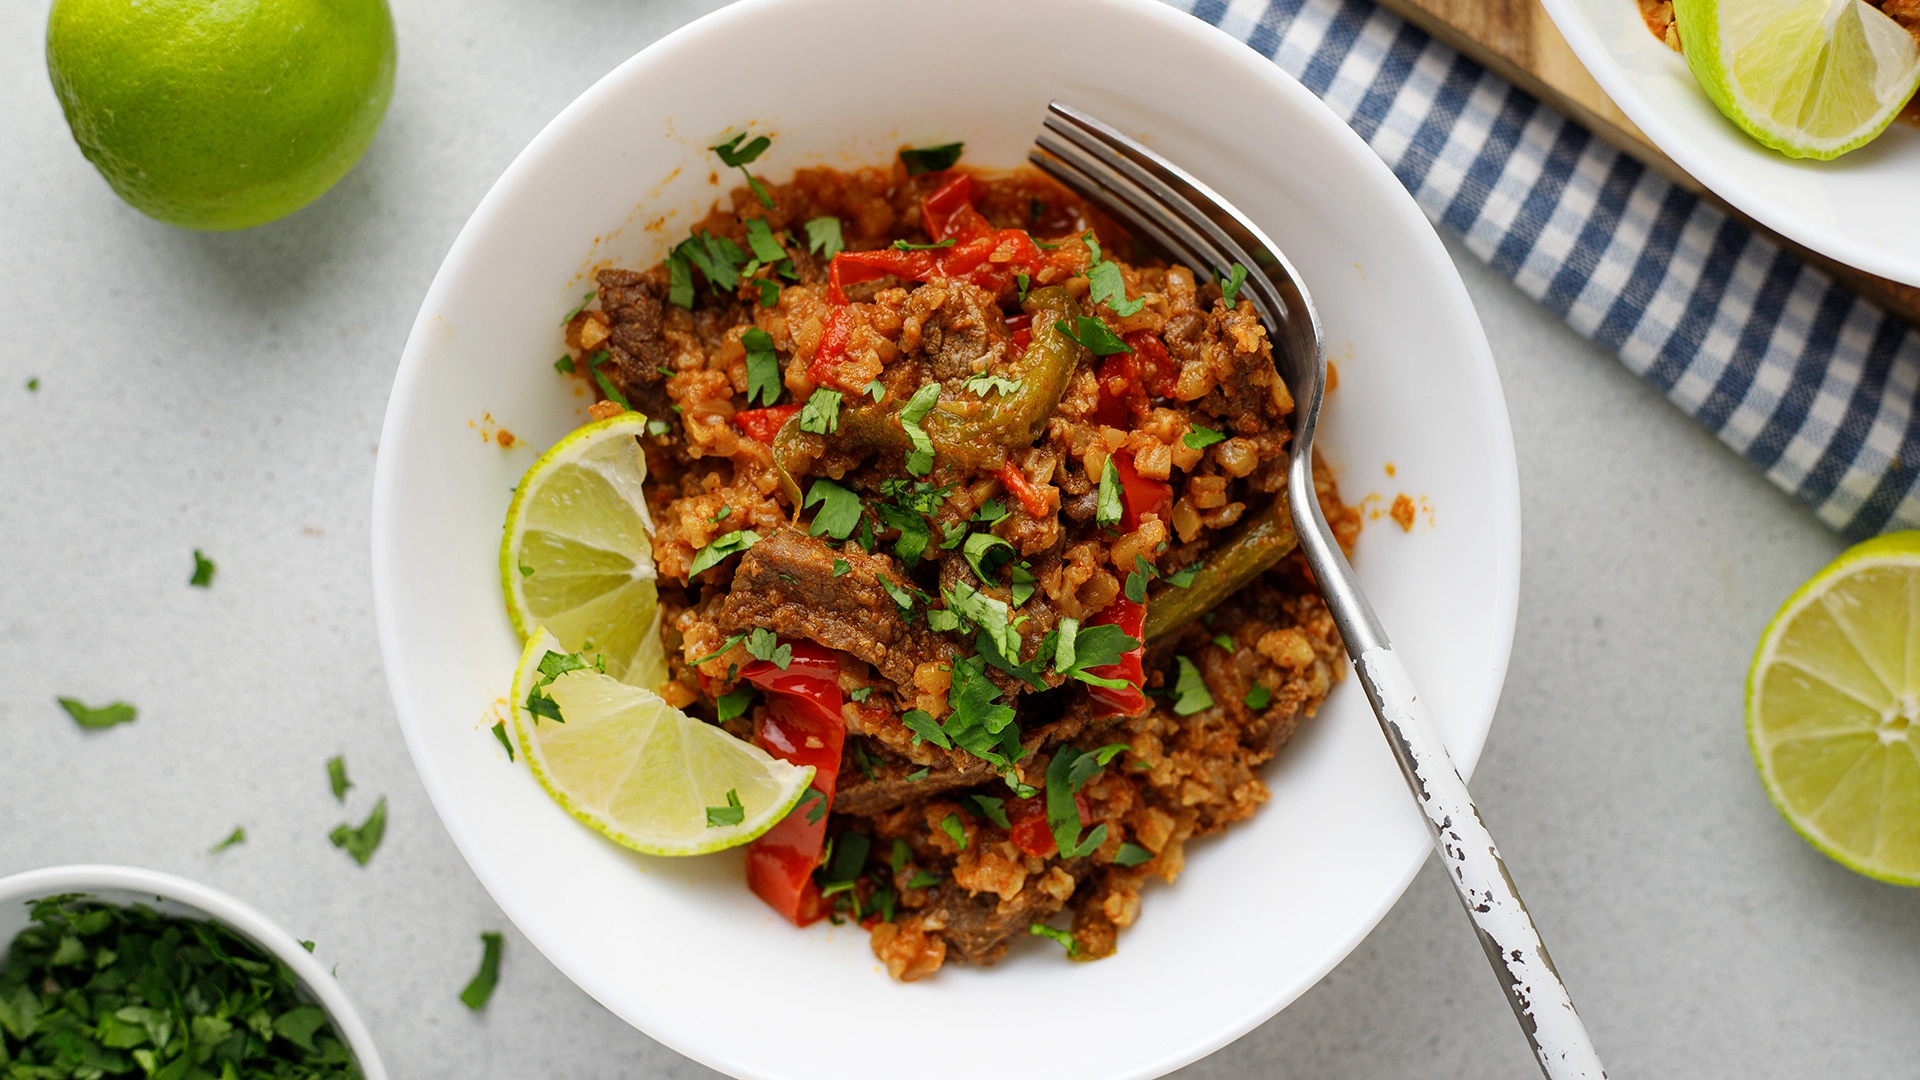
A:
(724, 513)
(478, 991)
(869, 768)
(990, 808)
(1022, 281)
(564, 365)
(901, 596)
(729, 643)
(1105, 284)
(606, 385)
(821, 414)
(584, 301)
(923, 879)
(983, 554)
(1022, 583)
(1065, 939)
(991, 616)
(1138, 577)
(841, 568)
(1131, 854)
(105, 716)
(1093, 246)
(1063, 813)
(849, 858)
(1258, 697)
(729, 544)
(1183, 577)
(337, 781)
(1107, 510)
(1202, 437)
(918, 775)
(902, 855)
(33, 384)
(500, 732)
(1225, 641)
(991, 513)
(823, 237)
(882, 903)
(735, 156)
(908, 245)
(954, 830)
(679, 280)
(1081, 648)
(1090, 763)
(926, 159)
(763, 366)
(988, 383)
(1093, 336)
(203, 569)
(923, 725)
(875, 390)
(1230, 288)
(920, 458)
(237, 836)
(731, 814)
(760, 240)
(735, 703)
(762, 644)
(1190, 690)
(769, 291)
(361, 842)
(839, 509)
(814, 803)
(860, 694)
(717, 257)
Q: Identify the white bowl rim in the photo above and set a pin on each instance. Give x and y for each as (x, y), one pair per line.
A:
(1397, 204)
(230, 912)
(1703, 164)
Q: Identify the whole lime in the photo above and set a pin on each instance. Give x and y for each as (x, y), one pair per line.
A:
(221, 114)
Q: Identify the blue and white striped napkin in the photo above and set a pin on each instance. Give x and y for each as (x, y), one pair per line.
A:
(1813, 384)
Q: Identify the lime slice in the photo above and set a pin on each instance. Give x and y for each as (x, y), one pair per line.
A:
(577, 557)
(1810, 78)
(639, 771)
(1833, 709)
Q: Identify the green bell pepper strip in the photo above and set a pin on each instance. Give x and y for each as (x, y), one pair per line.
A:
(1262, 540)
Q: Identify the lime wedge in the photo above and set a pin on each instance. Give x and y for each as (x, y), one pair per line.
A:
(577, 557)
(1810, 78)
(636, 769)
(1833, 709)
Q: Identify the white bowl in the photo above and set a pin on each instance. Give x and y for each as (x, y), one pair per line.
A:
(1858, 209)
(680, 948)
(185, 899)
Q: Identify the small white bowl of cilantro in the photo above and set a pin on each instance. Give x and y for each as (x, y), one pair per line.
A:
(103, 962)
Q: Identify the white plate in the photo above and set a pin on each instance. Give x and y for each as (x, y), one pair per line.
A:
(1859, 209)
(680, 948)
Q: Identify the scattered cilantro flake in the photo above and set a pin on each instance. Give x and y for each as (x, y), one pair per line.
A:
(875, 391)
(821, 414)
(500, 732)
(679, 281)
(1190, 690)
(991, 513)
(823, 236)
(769, 291)
(1083, 648)
(733, 155)
(1230, 288)
(923, 879)
(955, 831)
(923, 725)
(1202, 437)
(1065, 648)
(363, 841)
(991, 809)
(564, 365)
(908, 245)
(991, 616)
(584, 301)
(203, 569)
(105, 716)
(942, 621)
(1225, 641)
(882, 903)
(760, 240)
(725, 513)
(1086, 765)
(722, 546)
(1132, 854)
(731, 814)
(840, 509)
(1137, 578)
(481, 988)
(734, 704)
(841, 567)
(606, 385)
(759, 189)
(988, 383)
(849, 857)
(1093, 336)
(237, 836)
(902, 855)
(763, 366)
(814, 803)
(729, 643)
(1108, 509)
(337, 780)
(1258, 697)
(1063, 814)
(926, 159)
(1023, 281)
(1094, 255)
(717, 257)
(915, 777)
(920, 458)
(1105, 285)
(33, 384)
(657, 426)
(1183, 577)
(860, 694)
(1022, 583)
(983, 555)
(762, 644)
(1066, 940)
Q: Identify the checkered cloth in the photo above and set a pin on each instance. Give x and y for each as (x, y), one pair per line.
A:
(1813, 384)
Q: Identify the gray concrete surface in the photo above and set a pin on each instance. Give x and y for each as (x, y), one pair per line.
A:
(225, 392)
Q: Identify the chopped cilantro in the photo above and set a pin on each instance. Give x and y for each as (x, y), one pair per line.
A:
(1063, 813)
(988, 383)
(1225, 641)
(105, 716)
(821, 414)
(763, 366)
(1065, 939)
(733, 155)
(769, 291)
(759, 190)
(954, 830)
(924, 726)
(1183, 577)
(841, 567)
(361, 842)
(679, 280)
(902, 855)
(760, 240)
(849, 857)
(923, 879)
(900, 596)
(1202, 437)
(920, 459)
(991, 513)
(735, 703)
(237, 836)
(657, 426)
(926, 159)
(991, 809)
(1132, 854)
(1137, 579)
(584, 301)
(1105, 285)
(606, 385)
(839, 509)
(823, 237)
(1108, 509)
(882, 903)
(1258, 697)
(202, 570)
(1190, 690)
(868, 767)
(1022, 583)
(1066, 635)
(337, 781)
(860, 694)
(917, 775)
(729, 643)
(478, 991)
(982, 551)
(730, 544)
(814, 803)
(763, 644)
(979, 722)
(1023, 281)
(1230, 288)
(500, 732)
(942, 620)
(875, 390)
(564, 365)
(1093, 247)
(724, 514)
(1080, 649)
(915, 533)
(731, 814)
(908, 245)
(991, 616)
(33, 384)
(1086, 765)
(1035, 208)
(1093, 336)
(717, 257)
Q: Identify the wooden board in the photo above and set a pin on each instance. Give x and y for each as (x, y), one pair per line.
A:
(1516, 40)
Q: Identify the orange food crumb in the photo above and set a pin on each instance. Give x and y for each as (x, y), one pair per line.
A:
(1390, 469)
(1333, 377)
(1402, 512)
(602, 410)
(505, 438)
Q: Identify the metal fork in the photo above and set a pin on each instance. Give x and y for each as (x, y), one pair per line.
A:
(1199, 230)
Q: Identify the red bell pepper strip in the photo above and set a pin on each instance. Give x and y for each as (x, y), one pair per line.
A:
(981, 254)
(1130, 700)
(801, 724)
(1128, 380)
(949, 214)
(1017, 484)
(763, 424)
(834, 338)
(1140, 496)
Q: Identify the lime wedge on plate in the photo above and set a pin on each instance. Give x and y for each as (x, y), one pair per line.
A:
(577, 557)
(1810, 78)
(636, 769)
(1833, 709)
